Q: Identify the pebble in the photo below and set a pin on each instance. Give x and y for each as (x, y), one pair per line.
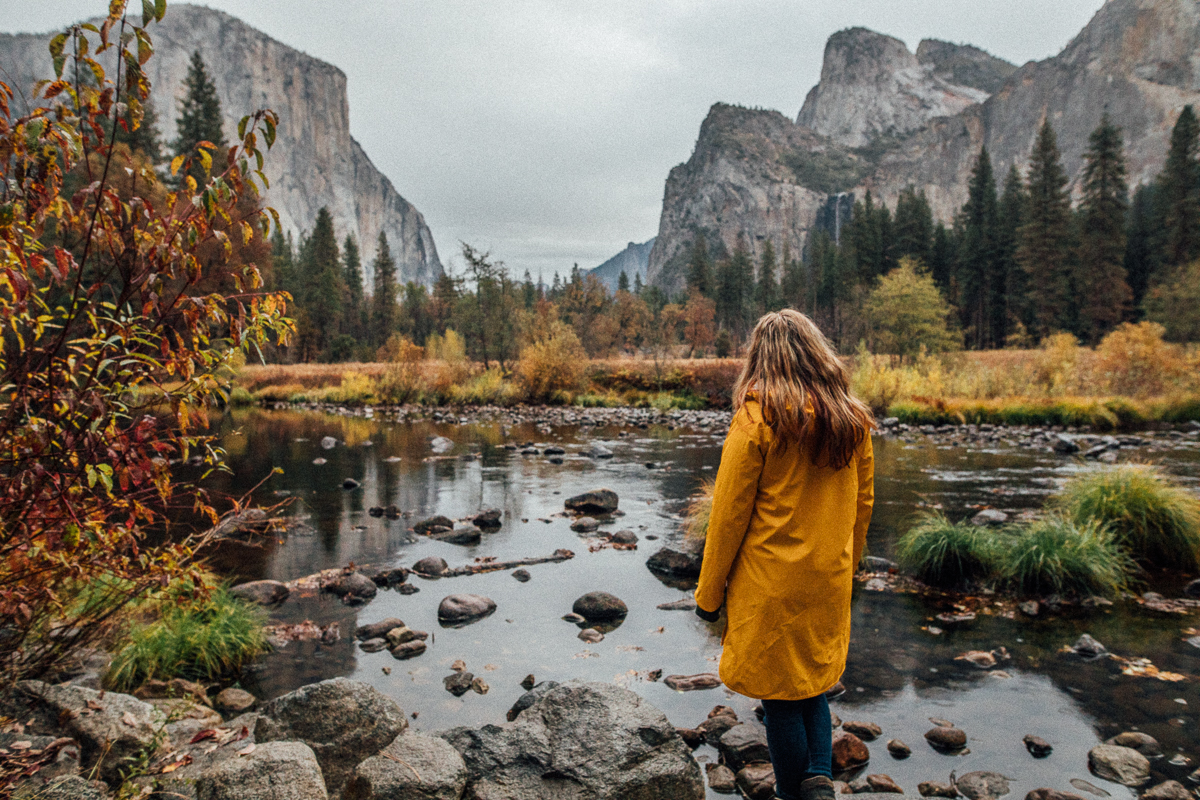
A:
(898, 749)
(936, 789)
(1037, 746)
(410, 649)
(585, 525)
(528, 682)
(691, 683)
(328, 443)
(591, 636)
(522, 575)
(1088, 647)
(942, 738)
(867, 731)
(458, 683)
(574, 619)
(883, 784)
(374, 645)
(349, 484)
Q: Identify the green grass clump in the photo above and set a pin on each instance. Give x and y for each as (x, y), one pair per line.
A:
(199, 638)
(486, 388)
(239, 396)
(1155, 521)
(1057, 555)
(699, 509)
(945, 553)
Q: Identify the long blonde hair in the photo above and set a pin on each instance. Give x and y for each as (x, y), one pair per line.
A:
(803, 388)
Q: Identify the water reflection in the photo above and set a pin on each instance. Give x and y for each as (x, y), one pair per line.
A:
(899, 675)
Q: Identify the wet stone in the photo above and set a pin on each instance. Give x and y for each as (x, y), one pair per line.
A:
(234, 701)
(849, 752)
(522, 575)
(465, 535)
(744, 744)
(488, 518)
(867, 731)
(528, 682)
(692, 683)
(942, 738)
(1037, 746)
(1088, 647)
(264, 593)
(624, 537)
(431, 565)
(591, 636)
(883, 784)
(1122, 765)
(936, 789)
(757, 781)
(898, 749)
(378, 630)
(982, 785)
(458, 683)
(598, 501)
(600, 606)
(721, 779)
(675, 563)
(692, 737)
(1144, 743)
(463, 609)
(425, 526)
(1029, 608)
(989, 516)
(1167, 790)
(349, 484)
(1052, 794)
(585, 525)
(373, 645)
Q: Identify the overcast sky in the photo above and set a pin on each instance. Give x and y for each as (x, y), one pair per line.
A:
(543, 130)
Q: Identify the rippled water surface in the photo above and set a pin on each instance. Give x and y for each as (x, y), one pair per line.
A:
(899, 674)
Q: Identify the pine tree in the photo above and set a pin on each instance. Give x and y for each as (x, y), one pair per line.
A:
(323, 287)
(734, 284)
(1103, 294)
(355, 320)
(145, 138)
(1009, 314)
(283, 263)
(383, 298)
(1142, 257)
(793, 286)
(199, 118)
(1179, 192)
(1043, 249)
(977, 260)
(623, 282)
(767, 291)
(912, 229)
(637, 284)
(943, 258)
(529, 292)
(699, 268)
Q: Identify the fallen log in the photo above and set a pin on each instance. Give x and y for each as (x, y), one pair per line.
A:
(485, 565)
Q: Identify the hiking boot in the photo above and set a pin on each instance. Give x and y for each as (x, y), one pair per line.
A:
(817, 788)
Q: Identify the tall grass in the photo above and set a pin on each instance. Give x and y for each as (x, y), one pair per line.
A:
(1154, 520)
(194, 637)
(697, 513)
(1057, 555)
(945, 553)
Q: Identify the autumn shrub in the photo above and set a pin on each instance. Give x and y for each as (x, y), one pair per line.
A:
(449, 366)
(697, 513)
(124, 302)
(1059, 555)
(552, 368)
(238, 397)
(1155, 520)
(194, 635)
(1056, 365)
(487, 388)
(945, 553)
(355, 389)
(1134, 360)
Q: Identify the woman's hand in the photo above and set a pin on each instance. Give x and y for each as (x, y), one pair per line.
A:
(708, 616)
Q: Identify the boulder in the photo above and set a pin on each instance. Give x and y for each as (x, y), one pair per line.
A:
(989, 516)
(744, 744)
(757, 781)
(721, 779)
(867, 731)
(598, 501)
(600, 607)
(982, 785)
(463, 609)
(1088, 647)
(532, 694)
(108, 726)
(273, 771)
(234, 701)
(378, 630)
(390, 577)
(1168, 790)
(849, 752)
(1122, 765)
(431, 565)
(353, 586)
(624, 538)
(946, 739)
(426, 525)
(464, 534)
(264, 593)
(1144, 743)
(413, 766)
(488, 518)
(343, 721)
(580, 740)
(898, 749)
(675, 563)
(716, 725)
(71, 787)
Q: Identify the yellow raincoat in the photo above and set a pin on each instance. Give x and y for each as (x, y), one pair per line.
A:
(784, 539)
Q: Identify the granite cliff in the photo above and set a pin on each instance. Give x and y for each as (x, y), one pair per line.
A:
(883, 118)
(315, 161)
(632, 261)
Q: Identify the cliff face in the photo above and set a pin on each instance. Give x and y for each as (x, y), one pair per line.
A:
(632, 261)
(315, 161)
(1136, 58)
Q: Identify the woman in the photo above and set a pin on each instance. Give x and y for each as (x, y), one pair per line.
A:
(789, 521)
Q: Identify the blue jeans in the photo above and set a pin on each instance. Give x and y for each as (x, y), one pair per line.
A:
(800, 738)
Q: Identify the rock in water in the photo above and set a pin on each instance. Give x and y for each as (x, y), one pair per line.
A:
(867, 731)
(465, 535)
(602, 740)
(982, 785)
(273, 771)
(624, 538)
(431, 565)
(488, 518)
(463, 609)
(1122, 765)
(1144, 743)
(744, 744)
(598, 501)
(531, 696)
(426, 526)
(343, 721)
(1088, 647)
(947, 739)
(352, 585)
(409, 649)
(328, 443)
(378, 630)
(600, 607)
(936, 789)
(757, 781)
(721, 779)
(849, 752)
(234, 701)
(522, 575)
(989, 516)
(898, 749)
(675, 563)
(591, 636)
(458, 683)
(883, 784)
(440, 444)
(584, 525)
(1168, 790)
(1052, 794)
(1037, 746)
(264, 593)
(412, 766)
(691, 683)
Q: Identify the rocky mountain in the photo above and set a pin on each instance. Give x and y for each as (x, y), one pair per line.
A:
(633, 261)
(883, 118)
(315, 161)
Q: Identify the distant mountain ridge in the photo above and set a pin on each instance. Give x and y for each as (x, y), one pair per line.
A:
(633, 261)
(883, 118)
(315, 161)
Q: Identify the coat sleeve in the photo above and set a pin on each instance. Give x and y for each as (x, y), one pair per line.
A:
(733, 505)
(866, 497)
